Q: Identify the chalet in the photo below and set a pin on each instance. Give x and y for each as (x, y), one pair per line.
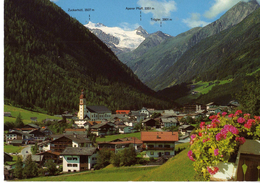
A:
(211, 105)
(80, 122)
(136, 115)
(124, 129)
(158, 144)
(46, 131)
(44, 146)
(119, 144)
(77, 159)
(78, 131)
(89, 124)
(37, 135)
(186, 129)
(33, 119)
(214, 110)
(59, 144)
(17, 137)
(130, 123)
(103, 129)
(7, 114)
(123, 112)
(146, 112)
(194, 115)
(49, 155)
(150, 122)
(7, 157)
(169, 122)
(31, 126)
(192, 108)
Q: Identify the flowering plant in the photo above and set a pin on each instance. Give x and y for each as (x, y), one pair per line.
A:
(218, 141)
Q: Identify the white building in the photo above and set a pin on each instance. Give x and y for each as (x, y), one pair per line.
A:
(77, 159)
(158, 144)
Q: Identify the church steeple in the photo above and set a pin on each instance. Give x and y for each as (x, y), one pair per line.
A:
(82, 105)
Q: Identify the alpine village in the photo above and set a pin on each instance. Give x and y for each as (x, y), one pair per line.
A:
(78, 109)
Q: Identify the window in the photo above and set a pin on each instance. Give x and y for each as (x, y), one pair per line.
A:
(150, 146)
(151, 153)
(167, 153)
(69, 158)
(160, 145)
(167, 146)
(75, 165)
(69, 165)
(75, 159)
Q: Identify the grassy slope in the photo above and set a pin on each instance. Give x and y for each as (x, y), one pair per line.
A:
(178, 168)
(25, 114)
(119, 136)
(202, 88)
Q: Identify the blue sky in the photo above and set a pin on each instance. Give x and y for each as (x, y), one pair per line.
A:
(182, 14)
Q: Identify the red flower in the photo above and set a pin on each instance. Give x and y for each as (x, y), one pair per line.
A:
(241, 120)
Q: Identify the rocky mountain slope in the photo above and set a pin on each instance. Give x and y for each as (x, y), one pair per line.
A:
(157, 60)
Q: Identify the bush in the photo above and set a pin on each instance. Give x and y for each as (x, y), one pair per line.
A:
(220, 140)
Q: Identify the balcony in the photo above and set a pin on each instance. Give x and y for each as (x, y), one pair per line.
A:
(159, 148)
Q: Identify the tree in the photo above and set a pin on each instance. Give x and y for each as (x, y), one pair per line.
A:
(125, 157)
(138, 126)
(18, 170)
(34, 148)
(156, 115)
(51, 167)
(103, 158)
(19, 122)
(30, 169)
(249, 96)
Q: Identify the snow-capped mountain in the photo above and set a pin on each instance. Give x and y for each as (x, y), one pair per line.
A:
(118, 39)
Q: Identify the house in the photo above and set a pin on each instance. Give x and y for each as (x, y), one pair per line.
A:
(80, 123)
(137, 116)
(158, 144)
(214, 110)
(46, 131)
(103, 129)
(89, 124)
(7, 157)
(7, 114)
(77, 159)
(211, 105)
(33, 119)
(44, 146)
(50, 155)
(124, 129)
(146, 112)
(150, 122)
(130, 123)
(98, 113)
(31, 126)
(122, 112)
(17, 137)
(186, 129)
(191, 108)
(78, 131)
(119, 144)
(37, 135)
(60, 143)
(169, 122)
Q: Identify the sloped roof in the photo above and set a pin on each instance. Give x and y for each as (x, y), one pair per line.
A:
(127, 140)
(159, 136)
(169, 120)
(79, 138)
(101, 124)
(98, 109)
(79, 151)
(49, 152)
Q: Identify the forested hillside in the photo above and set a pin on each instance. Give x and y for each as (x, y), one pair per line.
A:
(228, 54)
(49, 57)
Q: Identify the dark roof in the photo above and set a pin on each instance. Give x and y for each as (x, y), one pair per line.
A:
(100, 125)
(79, 138)
(79, 151)
(98, 109)
(32, 125)
(16, 142)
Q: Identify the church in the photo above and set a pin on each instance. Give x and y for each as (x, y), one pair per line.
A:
(91, 113)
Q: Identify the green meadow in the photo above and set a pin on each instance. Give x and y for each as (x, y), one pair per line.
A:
(178, 168)
(26, 114)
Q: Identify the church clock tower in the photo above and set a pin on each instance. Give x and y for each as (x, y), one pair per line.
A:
(82, 106)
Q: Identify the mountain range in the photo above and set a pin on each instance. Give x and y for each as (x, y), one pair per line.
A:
(47, 64)
(123, 41)
(155, 64)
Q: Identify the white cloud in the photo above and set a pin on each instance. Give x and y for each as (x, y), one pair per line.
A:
(128, 27)
(220, 6)
(194, 21)
(161, 9)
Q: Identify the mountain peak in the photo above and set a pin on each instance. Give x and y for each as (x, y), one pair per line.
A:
(142, 32)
